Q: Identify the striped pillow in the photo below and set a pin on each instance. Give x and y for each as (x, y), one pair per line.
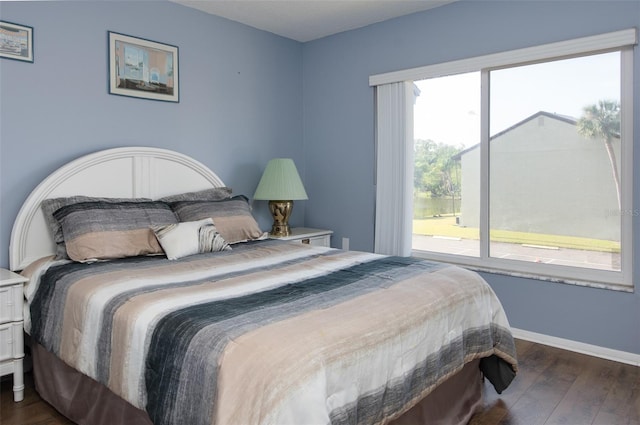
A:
(213, 194)
(105, 230)
(51, 205)
(232, 217)
(193, 237)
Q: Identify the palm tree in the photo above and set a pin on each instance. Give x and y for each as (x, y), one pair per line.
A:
(603, 121)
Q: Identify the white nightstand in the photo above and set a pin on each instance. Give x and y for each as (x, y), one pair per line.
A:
(11, 323)
(308, 236)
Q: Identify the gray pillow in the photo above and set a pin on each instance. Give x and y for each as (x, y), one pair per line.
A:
(232, 217)
(50, 206)
(105, 230)
(213, 194)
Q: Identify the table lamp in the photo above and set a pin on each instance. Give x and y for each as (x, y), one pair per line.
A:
(280, 185)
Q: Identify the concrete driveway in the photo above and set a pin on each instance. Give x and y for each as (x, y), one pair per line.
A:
(532, 253)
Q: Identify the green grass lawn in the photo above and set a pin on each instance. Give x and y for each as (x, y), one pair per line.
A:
(446, 226)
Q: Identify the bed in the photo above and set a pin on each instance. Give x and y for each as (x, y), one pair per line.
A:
(249, 330)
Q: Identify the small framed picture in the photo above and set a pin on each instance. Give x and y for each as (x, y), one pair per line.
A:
(143, 68)
(16, 41)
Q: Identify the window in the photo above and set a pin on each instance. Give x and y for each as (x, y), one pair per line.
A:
(446, 163)
(523, 161)
(554, 162)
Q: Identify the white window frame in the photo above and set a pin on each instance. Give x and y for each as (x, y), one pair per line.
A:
(622, 41)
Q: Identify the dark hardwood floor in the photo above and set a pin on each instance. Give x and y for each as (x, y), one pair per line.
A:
(30, 411)
(553, 386)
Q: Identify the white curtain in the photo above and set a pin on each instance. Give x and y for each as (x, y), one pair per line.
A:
(394, 168)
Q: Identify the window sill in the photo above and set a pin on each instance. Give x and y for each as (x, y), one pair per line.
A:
(474, 264)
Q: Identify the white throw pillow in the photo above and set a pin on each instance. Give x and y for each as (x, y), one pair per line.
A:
(188, 238)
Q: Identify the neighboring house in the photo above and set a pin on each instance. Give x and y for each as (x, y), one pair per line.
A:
(541, 169)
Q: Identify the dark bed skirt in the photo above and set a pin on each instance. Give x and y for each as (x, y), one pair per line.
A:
(78, 397)
(87, 402)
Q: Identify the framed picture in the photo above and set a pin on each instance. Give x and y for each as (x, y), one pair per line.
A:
(143, 68)
(16, 41)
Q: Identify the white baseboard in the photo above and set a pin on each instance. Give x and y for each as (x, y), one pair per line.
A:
(578, 347)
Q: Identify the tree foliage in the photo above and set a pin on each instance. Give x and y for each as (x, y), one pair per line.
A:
(436, 170)
(602, 121)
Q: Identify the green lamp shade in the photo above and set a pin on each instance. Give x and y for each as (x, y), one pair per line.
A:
(280, 181)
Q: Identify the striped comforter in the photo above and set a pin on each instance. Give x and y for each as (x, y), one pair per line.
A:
(269, 333)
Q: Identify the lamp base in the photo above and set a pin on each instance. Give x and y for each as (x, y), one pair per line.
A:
(281, 211)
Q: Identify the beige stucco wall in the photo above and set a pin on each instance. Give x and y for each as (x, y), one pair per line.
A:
(545, 178)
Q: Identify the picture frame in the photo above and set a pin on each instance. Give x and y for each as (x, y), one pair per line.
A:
(16, 41)
(143, 68)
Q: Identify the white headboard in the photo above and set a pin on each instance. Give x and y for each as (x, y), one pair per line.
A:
(129, 172)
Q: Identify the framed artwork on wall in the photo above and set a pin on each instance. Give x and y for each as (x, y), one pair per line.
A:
(143, 68)
(16, 41)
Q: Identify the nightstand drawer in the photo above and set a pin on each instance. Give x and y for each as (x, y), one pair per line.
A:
(11, 341)
(11, 303)
(317, 241)
(316, 237)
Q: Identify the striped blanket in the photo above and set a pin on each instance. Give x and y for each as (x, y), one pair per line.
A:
(269, 333)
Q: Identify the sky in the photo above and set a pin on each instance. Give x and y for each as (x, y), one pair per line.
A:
(448, 108)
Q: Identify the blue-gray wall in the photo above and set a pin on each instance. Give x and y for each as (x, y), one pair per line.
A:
(240, 96)
(248, 96)
(339, 137)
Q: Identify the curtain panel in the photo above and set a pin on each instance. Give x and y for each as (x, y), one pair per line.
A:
(394, 168)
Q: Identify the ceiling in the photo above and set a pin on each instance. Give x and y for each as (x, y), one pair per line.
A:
(306, 20)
